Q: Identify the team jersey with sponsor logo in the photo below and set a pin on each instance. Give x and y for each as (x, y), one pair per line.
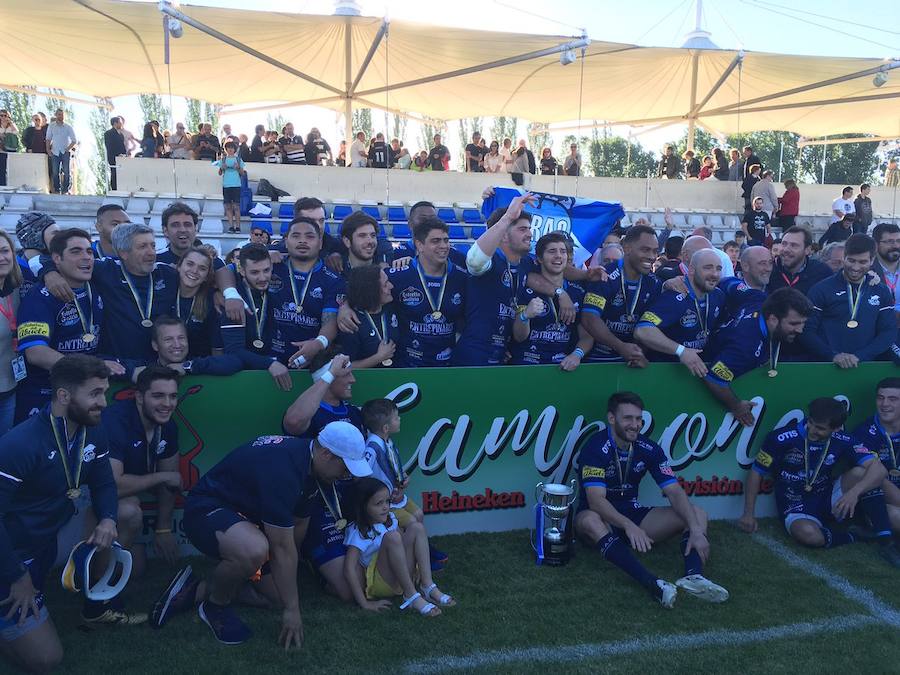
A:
(606, 298)
(549, 339)
(373, 328)
(740, 299)
(684, 318)
(738, 348)
(258, 325)
(298, 317)
(424, 339)
(33, 502)
(128, 440)
(491, 300)
(887, 446)
(795, 464)
(602, 464)
(43, 320)
(203, 334)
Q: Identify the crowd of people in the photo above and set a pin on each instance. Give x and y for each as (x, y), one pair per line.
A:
(80, 313)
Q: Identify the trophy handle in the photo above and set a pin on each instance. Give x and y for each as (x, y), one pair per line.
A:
(574, 485)
(537, 492)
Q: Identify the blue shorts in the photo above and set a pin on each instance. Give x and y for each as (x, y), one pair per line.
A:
(632, 510)
(323, 542)
(38, 567)
(203, 517)
(816, 507)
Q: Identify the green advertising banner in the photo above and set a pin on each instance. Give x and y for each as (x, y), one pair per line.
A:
(476, 440)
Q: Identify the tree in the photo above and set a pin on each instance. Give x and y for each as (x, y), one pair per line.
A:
(99, 123)
(426, 135)
(275, 123)
(211, 113)
(20, 106)
(504, 127)
(539, 137)
(194, 115)
(767, 145)
(584, 147)
(153, 108)
(362, 121)
(846, 163)
(399, 127)
(609, 156)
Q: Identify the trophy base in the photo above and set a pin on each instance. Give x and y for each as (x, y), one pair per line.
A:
(556, 553)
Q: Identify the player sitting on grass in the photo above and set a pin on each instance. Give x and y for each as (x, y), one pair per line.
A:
(610, 468)
(806, 459)
(382, 419)
(381, 562)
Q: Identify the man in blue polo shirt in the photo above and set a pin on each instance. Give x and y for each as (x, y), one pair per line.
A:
(108, 216)
(143, 446)
(45, 465)
(678, 325)
(327, 399)
(880, 433)
(48, 328)
(241, 514)
(612, 307)
(853, 321)
(806, 459)
(429, 300)
(751, 341)
(610, 467)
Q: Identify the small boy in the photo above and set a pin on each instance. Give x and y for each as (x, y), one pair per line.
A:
(231, 168)
(381, 418)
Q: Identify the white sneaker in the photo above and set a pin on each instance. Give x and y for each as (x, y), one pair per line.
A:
(669, 592)
(702, 588)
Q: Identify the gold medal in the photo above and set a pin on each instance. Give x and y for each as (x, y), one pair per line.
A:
(145, 309)
(435, 306)
(387, 363)
(86, 319)
(147, 323)
(436, 315)
(340, 524)
(808, 488)
(895, 473)
(73, 493)
(259, 344)
(88, 338)
(853, 323)
(773, 373)
(629, 318)
(61, 436)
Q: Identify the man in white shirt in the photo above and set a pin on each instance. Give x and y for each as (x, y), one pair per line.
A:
(507, 155)
(765, 190)
(180, 143)
(358, 154)
(131, 143)
(60, 142)
(844, 206)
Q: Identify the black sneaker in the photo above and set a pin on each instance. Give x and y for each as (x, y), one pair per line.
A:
(178, 597)
(224, 623)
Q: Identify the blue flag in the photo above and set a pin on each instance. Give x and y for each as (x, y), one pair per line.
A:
(586, 221)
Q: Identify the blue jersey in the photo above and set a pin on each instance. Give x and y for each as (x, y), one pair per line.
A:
(423, 339)
(887, 446)
(204, 334)
(408, 249)
(45, 321)
(128, 440)
(738, 348)
(601, 463)
(549, 339)
(298, 316)
(740, 299)
(793, 463)
(373, 329)
(342, 412)
(491, 300)
(100, 252)
(264, 480)
(29, 278)
(33, 502)
(827, 333)
(684, 318)
(619, 307)
(259, 325)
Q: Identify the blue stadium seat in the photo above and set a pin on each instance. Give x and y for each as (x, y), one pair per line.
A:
(327, 228)
(341, 211)
(400, 231)
(478, 230)
(396, 213)
(382, 232)
(472, 216)
(372, 211)
(447, 214)
(457, 232)
(286, 211)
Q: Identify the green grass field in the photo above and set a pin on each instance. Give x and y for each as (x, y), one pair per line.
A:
(575, 619)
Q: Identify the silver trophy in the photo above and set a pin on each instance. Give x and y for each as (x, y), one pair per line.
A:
(554, 501)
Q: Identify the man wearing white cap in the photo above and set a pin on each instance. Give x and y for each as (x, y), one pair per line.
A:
(242, 513)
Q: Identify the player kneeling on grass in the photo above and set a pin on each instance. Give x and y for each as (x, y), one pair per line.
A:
(610, 468)
(242, 514)
(382, 562)
(382, 420)
(806, 459)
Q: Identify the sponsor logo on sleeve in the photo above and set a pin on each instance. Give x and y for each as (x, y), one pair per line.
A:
(34, 329)
(651, 318)
(593, 472)
(722, 371)
(764, 459)
(594, 300)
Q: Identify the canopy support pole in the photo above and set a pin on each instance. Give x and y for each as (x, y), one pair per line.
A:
(855, 139)
(371, 53)
(692, 115)
(348, 94)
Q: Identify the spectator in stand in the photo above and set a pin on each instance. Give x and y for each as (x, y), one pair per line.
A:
(748, 184)
(720, 171)
(402, 158)
(379, 153)
(205, 145)
(892, 174)
(788, 205)
(691, 165)
(61, 141)
(493, 160)
(148, 141)
(243, 149)
(765, 190)
(832, 255)
(271, 149)
(838, 231)
(421, 161)
(741, 239)
(706, 171)
(318, 152)
(231, 168)
(115, 147)
(549, 165)
(756, 224)
(572, 163)
(292, 146)
(842, 206)
(733, 251)
(520, 161)
(668, 165)
(750, 159)
(9, 141)
(341, 159)
(795, 269)
(10, 281)
(506, 152)
(180, 142)
(736, 166)
(532, 166)
(226, 134)
(438, 155)
(611, 253)
(256, 145)
(474, 155)
(260, 233)
(862, 207)
(131, 143)
(359, 156)
(35, 137)
(887, 257)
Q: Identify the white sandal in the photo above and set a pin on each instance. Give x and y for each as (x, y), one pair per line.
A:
(445, 600)
(425, 609)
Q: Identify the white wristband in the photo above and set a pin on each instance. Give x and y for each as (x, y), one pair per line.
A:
(679, 351)
(323, 340)
(231, 293)
(327, 377)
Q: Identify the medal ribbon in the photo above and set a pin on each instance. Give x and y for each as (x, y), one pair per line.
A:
(705, 321)
(889, 440)
(259, 317)
(178, 306)
(87, 320)
(637, 294)
(854, 305)
(381, 335)
(151, 449)
(619, 461)
(333, 508)
(62, 445)
(440, 300)
(394, 459)
(774, 350)
(298, 301)
(809, 483)
(145, 309)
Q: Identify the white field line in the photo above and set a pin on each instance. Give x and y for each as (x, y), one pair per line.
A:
(715, 638)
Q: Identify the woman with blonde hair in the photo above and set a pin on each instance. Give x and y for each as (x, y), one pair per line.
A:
(10, 281)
